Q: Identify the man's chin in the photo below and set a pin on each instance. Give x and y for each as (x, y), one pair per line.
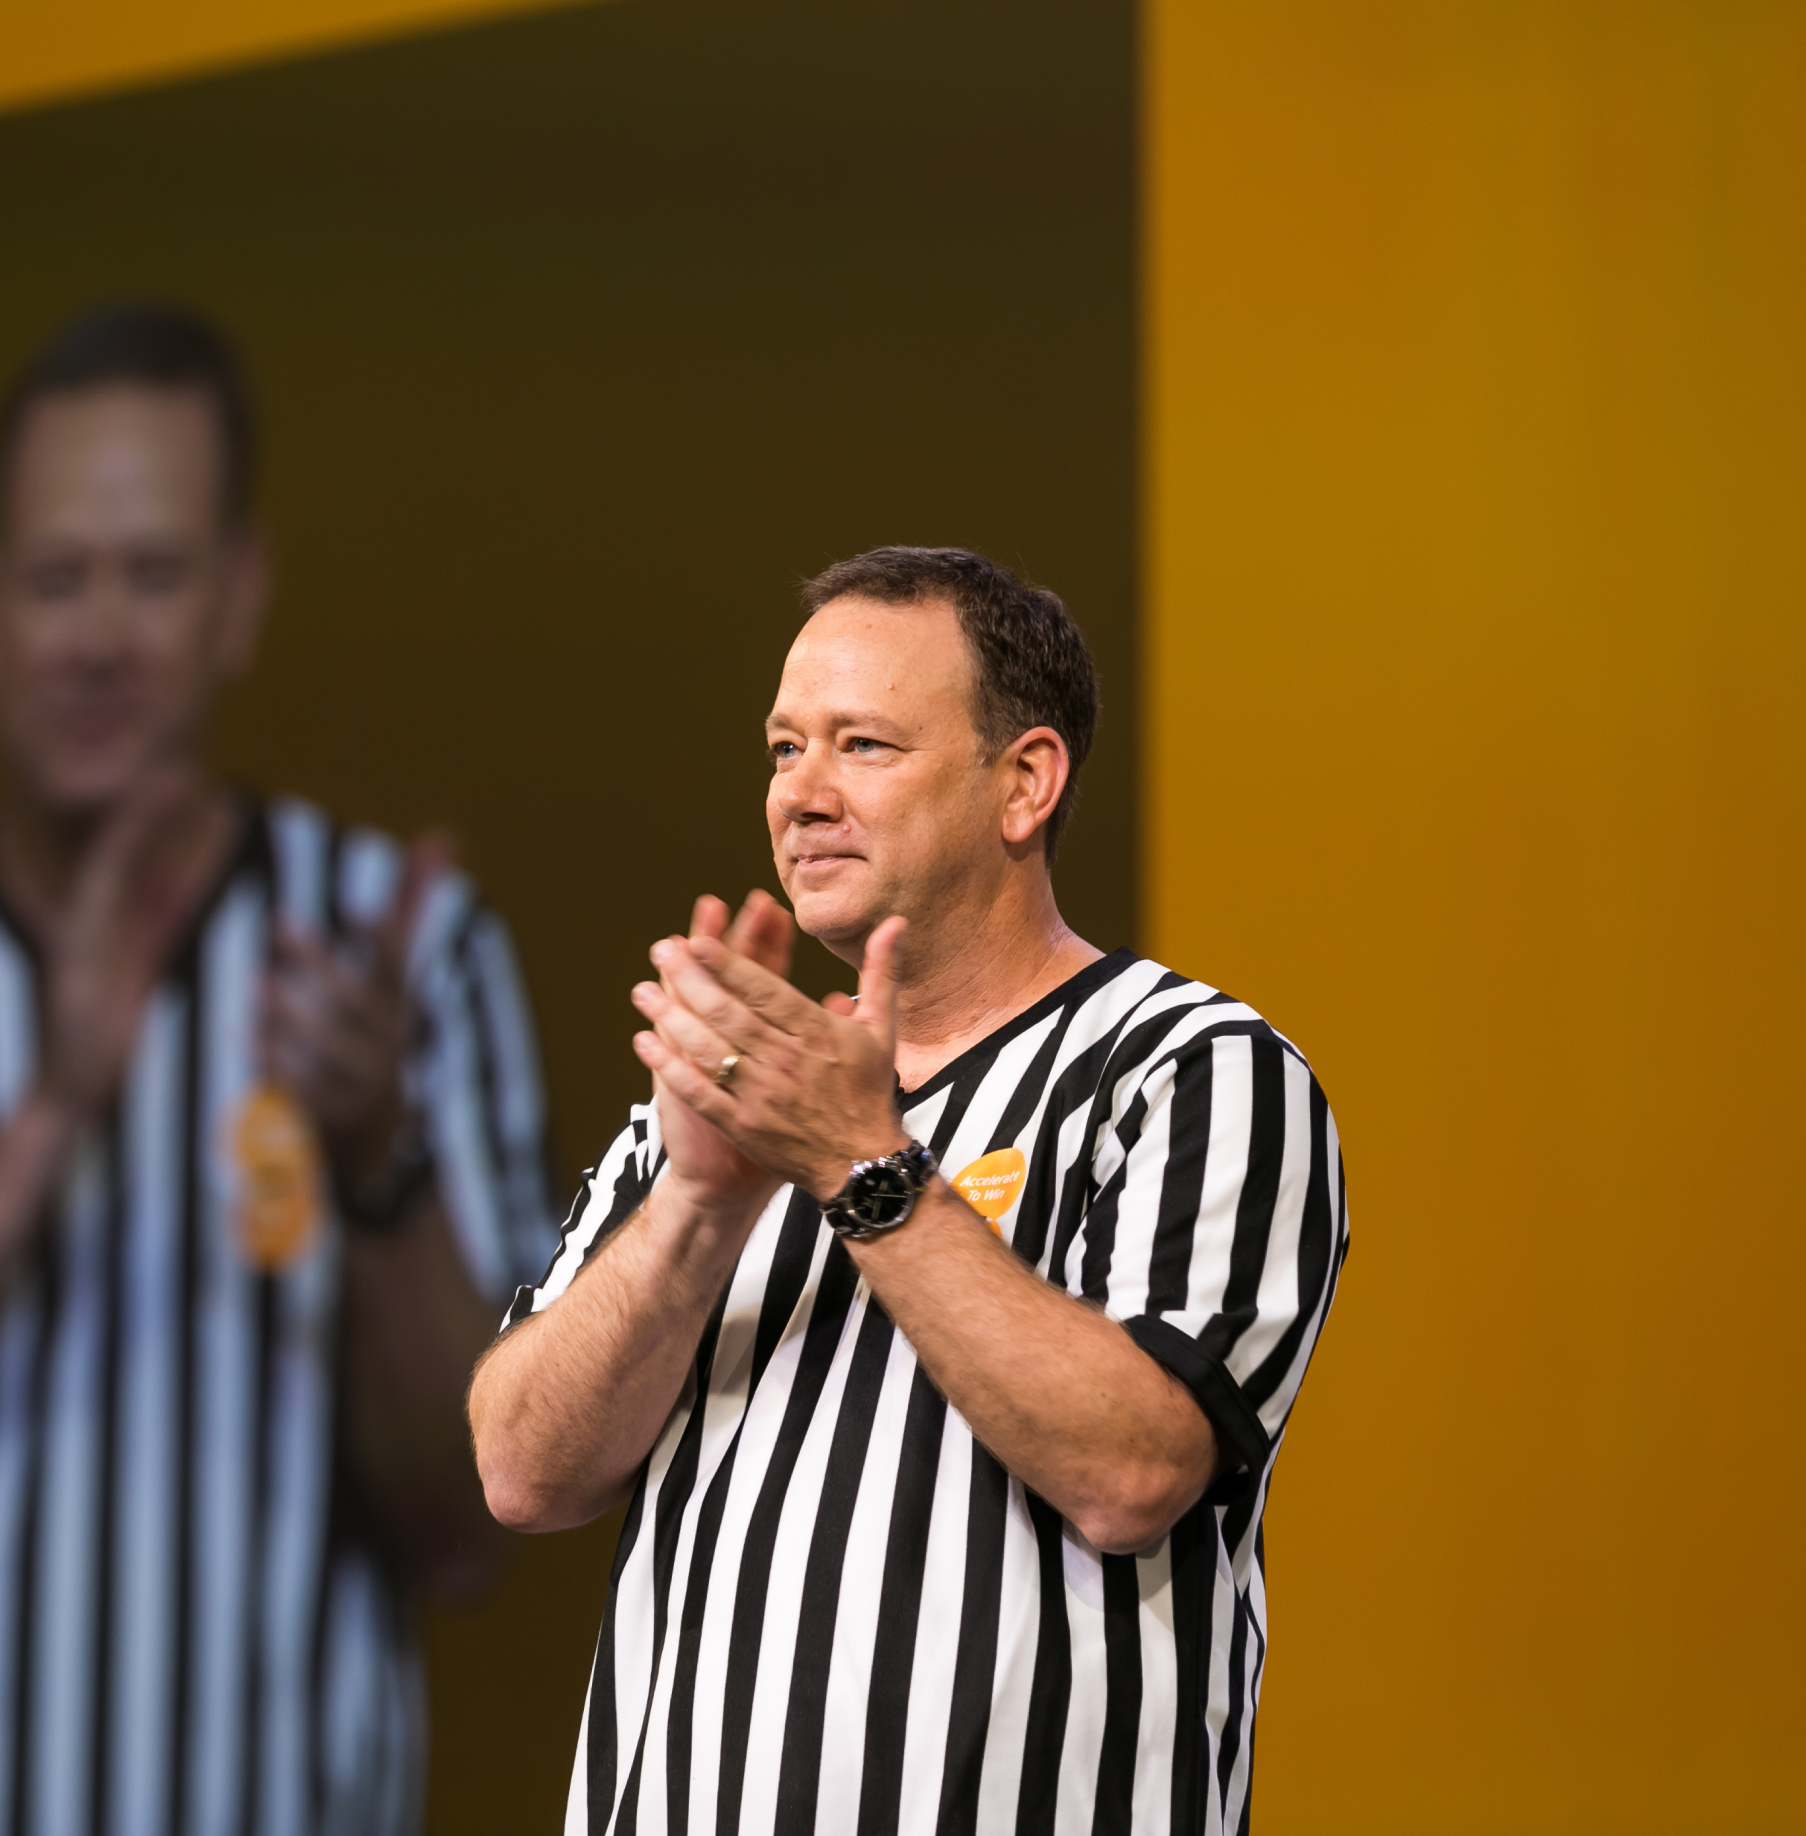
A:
(82, 791)
(838, 922)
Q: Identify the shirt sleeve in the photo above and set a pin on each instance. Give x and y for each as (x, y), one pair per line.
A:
(1219, 1225)
(608, 1195)
(475, 1075)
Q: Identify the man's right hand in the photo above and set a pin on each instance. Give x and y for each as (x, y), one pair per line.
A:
(703, 1161)
(565, 1409)
(143, 875)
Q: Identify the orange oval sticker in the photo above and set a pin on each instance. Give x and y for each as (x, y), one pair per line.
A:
(993, 1183)
(278, 1162)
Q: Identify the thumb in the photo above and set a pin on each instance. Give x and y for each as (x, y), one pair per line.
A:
(878, 978)
(430, 857)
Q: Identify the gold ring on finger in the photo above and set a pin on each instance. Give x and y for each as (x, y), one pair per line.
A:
(726, 1068)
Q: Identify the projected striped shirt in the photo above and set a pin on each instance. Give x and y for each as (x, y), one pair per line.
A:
(832, 1610)
(198, 1633)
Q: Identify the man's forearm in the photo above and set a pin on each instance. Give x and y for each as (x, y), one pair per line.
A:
(566, 1408)
(414, 1327)
(1060, 1394)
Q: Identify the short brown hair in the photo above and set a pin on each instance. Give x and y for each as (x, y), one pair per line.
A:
(1031, 666)
(160, 347)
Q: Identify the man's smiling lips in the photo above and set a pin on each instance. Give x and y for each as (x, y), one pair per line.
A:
(821, 863)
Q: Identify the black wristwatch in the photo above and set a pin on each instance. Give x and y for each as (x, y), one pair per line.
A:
(880, 1194)
(381, 1202)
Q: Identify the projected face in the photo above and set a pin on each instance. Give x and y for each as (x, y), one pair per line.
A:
(124, 601)
(879, 800)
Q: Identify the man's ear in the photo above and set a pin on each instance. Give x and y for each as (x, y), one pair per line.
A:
(247, 592)
(1039, 766)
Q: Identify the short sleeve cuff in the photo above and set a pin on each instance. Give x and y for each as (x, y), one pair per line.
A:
(1240, 1435)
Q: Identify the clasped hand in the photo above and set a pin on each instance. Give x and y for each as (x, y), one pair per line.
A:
(338, 1019)
(812, 1087)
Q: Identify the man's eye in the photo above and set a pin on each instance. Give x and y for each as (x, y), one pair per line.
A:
(784, 749)
(55, 580)
(865, 746)
(157, 573)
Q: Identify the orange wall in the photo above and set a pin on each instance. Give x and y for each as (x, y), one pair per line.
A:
(1475, 584)
(58, 48)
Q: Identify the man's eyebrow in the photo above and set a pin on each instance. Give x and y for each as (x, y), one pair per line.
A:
(848, 718)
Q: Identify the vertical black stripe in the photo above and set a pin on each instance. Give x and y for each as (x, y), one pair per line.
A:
(195, 1148)
(1192, 1548)
(1232, 1722)
(1130, 1052)
(1100, 1221)
(1182, 1181)
(1113, 1808)
(783, 1288)
(975, 1662)
(1260, 1665)
(667, 1521)
(1316, 1249)
(1075, 1088)
(49, 1286)
(601, 1759)
(833, 1297)
(799, 1769)
(462, 952)
(332, 918)
(1025, 1099)
(1259, 1195)
(680, 1725)
(257, 1540)
(1051, 1690)
(899, 1609)
(101, 1694)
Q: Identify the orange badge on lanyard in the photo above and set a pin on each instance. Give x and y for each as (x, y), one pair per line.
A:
(277, 1158)
(992, 1184)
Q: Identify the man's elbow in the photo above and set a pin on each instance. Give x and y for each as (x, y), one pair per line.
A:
(513, 1503)
(1137, 1509)
(519, 1499)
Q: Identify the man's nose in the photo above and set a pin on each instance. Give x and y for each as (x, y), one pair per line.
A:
(101, 620)
(809, 791)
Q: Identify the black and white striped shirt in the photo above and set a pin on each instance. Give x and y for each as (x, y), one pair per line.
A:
(198, 1636)
(832, 1610)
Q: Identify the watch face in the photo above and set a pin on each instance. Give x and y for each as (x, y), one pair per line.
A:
(884, 1195)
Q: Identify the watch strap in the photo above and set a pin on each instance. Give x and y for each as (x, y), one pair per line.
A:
(382, 1202)
(880, 1195)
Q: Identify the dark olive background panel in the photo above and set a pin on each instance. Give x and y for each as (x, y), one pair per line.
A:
(581, 339)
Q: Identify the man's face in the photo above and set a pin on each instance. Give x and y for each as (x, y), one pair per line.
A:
(124, 600)
(879, 803)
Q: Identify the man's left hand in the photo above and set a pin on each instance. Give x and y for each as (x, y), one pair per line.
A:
(813, 1087)
(337, 1023)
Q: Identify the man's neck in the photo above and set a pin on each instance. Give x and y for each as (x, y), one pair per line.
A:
(968, 979)
(44, 849)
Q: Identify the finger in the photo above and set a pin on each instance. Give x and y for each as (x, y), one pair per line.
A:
(680, 1029)
(430, 856)
(299, 951)
(756, 987)
(842, 1004)
(695, 1091)
(709, 917)
(763, 931)
(131, 833)
(878, 978)
(685, 979)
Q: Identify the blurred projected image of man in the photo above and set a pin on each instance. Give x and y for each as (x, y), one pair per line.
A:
(943, 1342)
(271, 1144)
